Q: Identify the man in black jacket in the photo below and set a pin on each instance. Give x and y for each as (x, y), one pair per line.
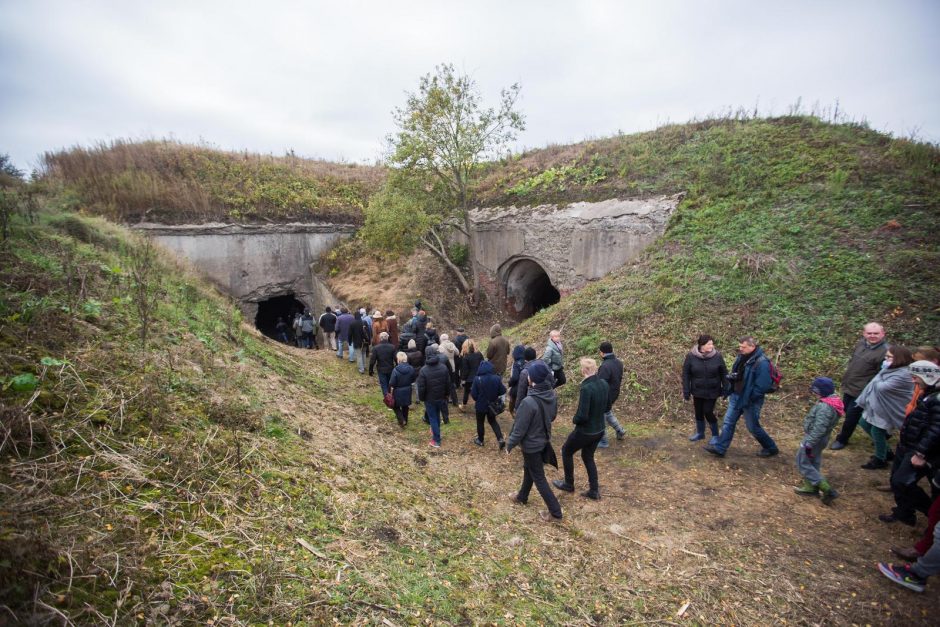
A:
(327, 322)
(611, 371)
(434, 388)
(383, 357)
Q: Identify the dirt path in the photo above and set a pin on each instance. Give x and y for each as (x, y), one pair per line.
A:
(674, 526)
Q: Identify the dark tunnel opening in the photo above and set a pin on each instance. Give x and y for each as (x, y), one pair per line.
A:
(278, 307)
(529, 289)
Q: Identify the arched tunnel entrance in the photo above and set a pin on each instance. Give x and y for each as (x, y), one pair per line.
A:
(270, 310)
(528, 288)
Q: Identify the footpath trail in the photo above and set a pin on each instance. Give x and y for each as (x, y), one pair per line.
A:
(676, 532)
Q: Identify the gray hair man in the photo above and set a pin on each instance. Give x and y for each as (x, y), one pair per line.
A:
(864, 364)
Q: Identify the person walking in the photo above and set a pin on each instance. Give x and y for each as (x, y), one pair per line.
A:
(914, 576)
(383, 358)
(589, 427)
(522, 388)
(751, 380)
(864, 364)
(470, 360)
(611, 372)
(391, 325)
(434, 387)
(532, 432)
(497, 352)
(327, 323)
(884, 401)
(554, 357)
(308, 330)
(357, 340)
(487, 387)
(817, 427)
(280, 330)
(918, 451)
(343, 323)
(518, 363)
(703, 380)
(378, 326)
(403, 376)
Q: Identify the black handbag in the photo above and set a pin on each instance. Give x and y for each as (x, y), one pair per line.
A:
(548, 453)
(497, 407)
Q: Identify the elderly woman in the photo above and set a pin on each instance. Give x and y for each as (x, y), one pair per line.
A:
(883, 402)
(400, 385)
(703, 380)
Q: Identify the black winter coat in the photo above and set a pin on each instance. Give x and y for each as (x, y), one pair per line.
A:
(415, 359)
(402, 377)
(611, 371)
(469, 364)
(328, 322)
(434, 382)
(703, 377)
(357, 333)
(921, 430)
(383, 358)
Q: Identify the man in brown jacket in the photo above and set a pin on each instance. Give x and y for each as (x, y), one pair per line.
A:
(864, 364)
(497, 353)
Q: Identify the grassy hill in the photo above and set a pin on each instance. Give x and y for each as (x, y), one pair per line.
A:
(791, 229)
(199, 472)
(174, 183)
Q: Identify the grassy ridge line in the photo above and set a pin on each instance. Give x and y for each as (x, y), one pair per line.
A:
(175, 183)
(793, 230)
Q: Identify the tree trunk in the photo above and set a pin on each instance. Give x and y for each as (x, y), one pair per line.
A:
(442, 254)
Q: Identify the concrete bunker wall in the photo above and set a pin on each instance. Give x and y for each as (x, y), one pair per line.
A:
(570, 244)
(254, 263)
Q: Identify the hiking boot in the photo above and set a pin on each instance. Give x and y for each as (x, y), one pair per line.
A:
(561, 485)
(903, 576)
(502, 444)
(837, 446)
(548, 518)
(714, 451)
(603, 444)
(806, 489)
(695, 437)
(594, 496)
(434, 444)
(621, 435)
(478, 441)
(768, 452)
(875, 464)
(828, 496)
(892, 518)
(907, 553)
(514, 499)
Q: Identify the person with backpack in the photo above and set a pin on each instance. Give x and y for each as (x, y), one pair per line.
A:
(532, 432)
(307, 328)
(486, 389)
(751, 379)
(327, 323)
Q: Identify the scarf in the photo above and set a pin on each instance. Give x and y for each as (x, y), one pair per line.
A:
(697, 353)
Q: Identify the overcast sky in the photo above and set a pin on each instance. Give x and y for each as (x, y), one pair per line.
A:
(321, 78)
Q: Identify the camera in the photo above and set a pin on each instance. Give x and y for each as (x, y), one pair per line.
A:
(733, 376)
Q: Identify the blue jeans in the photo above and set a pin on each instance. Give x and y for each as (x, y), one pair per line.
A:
(383, 382)
(433, 409)
(751, 415)
(361, 358)
(339, 348)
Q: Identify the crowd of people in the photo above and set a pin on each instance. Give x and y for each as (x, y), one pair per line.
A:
(887, 389)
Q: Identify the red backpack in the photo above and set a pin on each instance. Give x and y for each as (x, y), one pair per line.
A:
(775, 377)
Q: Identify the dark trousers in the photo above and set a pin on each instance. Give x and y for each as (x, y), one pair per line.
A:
(401, 412)
(466, 391)
(704, 409)
(587, 444)
(488, 417)
(933, 517)
(909, 497)
(533, 472)
(853, 413)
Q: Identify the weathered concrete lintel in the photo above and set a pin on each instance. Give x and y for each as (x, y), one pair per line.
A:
(615, 210)
(221, 228)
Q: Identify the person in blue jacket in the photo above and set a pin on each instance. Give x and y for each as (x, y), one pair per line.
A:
(750, 381)
(487, 387)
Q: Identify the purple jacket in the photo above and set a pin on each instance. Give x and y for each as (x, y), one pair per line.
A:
(343, 322)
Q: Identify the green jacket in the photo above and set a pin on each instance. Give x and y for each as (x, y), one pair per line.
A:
(592, 403)
(819, 423)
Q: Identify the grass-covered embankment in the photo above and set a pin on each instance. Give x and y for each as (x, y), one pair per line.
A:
(174, 183)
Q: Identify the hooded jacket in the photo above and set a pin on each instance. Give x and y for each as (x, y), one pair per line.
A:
(498, 350)
(921, 432)
(487, 387)
(522, 388)
(448, 349)
(755, 378)
(402, 377)
(518, 363)
(434, 382)
(529, 429)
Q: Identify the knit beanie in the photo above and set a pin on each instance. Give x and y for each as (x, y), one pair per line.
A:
(823, 386)
(538, 371)
(926, 371)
